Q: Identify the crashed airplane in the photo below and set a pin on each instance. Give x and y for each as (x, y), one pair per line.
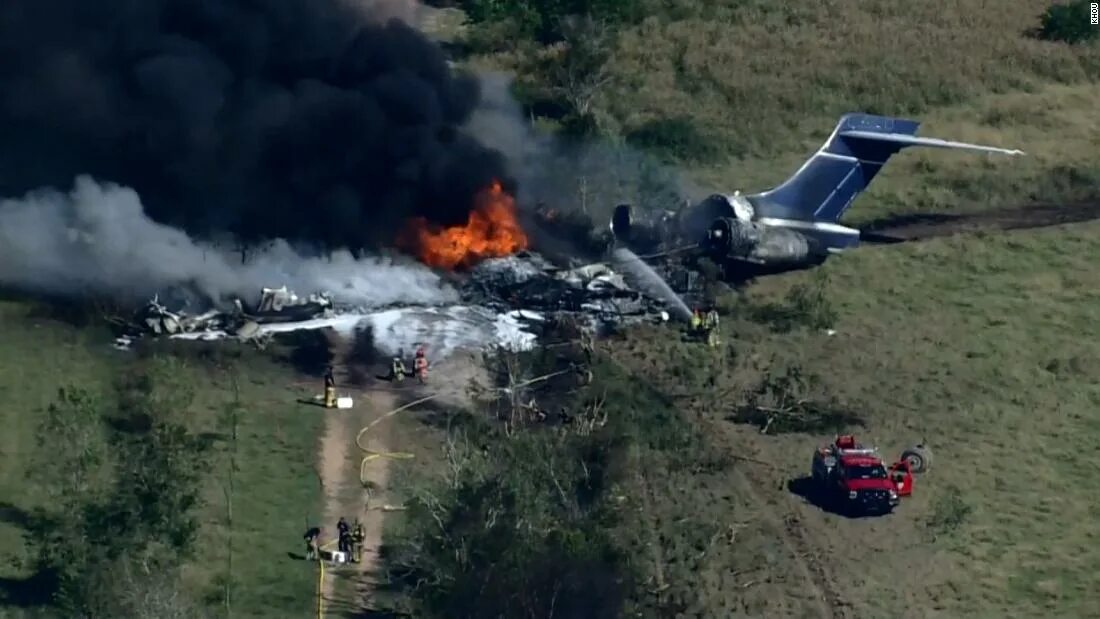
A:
(797, 224)
(505, 301)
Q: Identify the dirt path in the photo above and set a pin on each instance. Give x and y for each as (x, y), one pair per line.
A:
(347, 588)
(375, 474)
(919, 226)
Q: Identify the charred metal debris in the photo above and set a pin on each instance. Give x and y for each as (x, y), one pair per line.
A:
(594, 296)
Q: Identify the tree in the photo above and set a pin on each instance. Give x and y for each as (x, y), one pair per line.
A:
(505, 536)
(576, 70)
(124, 473)
(1068, 22)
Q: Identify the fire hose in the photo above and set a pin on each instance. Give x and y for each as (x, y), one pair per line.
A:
(370, 456)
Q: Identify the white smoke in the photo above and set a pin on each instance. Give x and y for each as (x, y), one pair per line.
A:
(98, 239)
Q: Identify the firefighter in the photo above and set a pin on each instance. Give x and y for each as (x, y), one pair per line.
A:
(397, 370)
(311, 543)
(587, 346)
(344, 543)
(712, 327)
(330, 389)
(357, 537)
(696, 322)
(420, 365)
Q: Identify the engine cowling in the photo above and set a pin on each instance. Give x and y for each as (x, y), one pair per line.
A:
(733, 238)
(730, 237)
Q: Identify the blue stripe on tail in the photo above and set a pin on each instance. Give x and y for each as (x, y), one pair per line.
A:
(831, 179)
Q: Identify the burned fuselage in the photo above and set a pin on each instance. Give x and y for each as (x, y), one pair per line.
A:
(796, 223)
(722, 228)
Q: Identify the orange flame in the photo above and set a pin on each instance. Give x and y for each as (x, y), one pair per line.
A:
(492, 230)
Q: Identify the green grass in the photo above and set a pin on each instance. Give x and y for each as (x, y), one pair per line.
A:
(983, 346)
(980, 345)
(754, 87)
(276, 488)
(758, 74)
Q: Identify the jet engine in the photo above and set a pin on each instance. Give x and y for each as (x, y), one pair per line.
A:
(723, 227)
(733, 238)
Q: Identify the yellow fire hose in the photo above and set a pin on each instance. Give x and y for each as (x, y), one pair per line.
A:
(321, 578)
(371, 455)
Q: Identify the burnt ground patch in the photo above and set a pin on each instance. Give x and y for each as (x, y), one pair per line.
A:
(919, 226)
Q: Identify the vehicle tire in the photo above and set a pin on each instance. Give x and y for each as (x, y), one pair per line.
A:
(919, 458)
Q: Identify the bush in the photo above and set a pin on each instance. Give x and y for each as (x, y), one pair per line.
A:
(526, 519)
(806, 305)
(1068, 23)
(949, 511)
(542, 19)
(123, 471)
(517, 532)
(790, 401)
(676, 138)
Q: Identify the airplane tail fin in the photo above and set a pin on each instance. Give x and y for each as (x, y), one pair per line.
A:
(825, 186)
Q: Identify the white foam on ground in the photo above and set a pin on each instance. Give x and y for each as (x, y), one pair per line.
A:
(442, 330)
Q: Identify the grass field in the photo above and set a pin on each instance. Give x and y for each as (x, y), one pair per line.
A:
(739, 93)
(275, 486)
(979, 344)
(981, 347)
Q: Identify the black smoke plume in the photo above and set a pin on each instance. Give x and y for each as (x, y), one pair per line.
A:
(290, 119)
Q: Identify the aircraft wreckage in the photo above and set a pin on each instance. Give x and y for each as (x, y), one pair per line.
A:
(502, 301)
(796, 224)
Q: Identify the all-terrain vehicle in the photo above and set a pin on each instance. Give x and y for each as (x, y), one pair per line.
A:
(854, 479)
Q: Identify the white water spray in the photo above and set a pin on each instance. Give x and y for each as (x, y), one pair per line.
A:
(651, 281)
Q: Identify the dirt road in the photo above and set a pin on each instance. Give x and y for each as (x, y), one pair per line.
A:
(919, 226)
(347, 588)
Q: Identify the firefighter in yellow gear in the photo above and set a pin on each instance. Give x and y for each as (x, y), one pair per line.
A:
(711, 325)
(330, 389)
(398, 370)
(696, 322)
(358, 535)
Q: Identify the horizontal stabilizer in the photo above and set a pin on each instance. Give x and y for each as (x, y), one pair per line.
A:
(912, 140)
(824, 187)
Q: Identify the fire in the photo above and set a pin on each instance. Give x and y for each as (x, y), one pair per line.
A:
(492, 230)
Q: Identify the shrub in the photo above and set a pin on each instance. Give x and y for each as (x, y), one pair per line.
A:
(806, 305)
(542, 19)
(949, 511)
(790, 401)
(677, 138)
(1068, 23)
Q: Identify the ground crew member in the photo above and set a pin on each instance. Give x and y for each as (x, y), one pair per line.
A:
(357, 538)
(420, 365)
(311, 543)
(330, 389)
